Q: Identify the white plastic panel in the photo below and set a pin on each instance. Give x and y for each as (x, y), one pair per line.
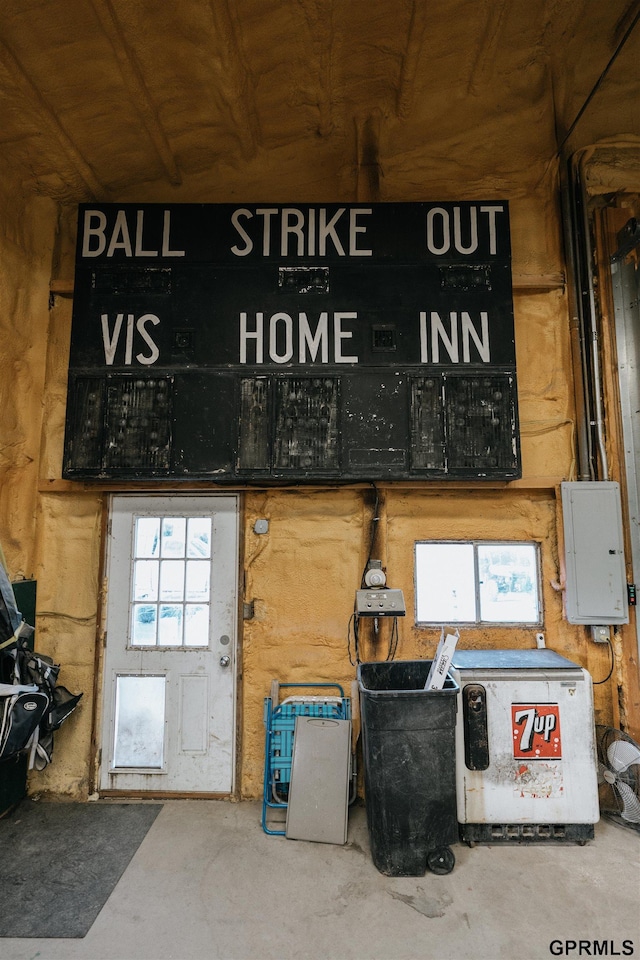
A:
(596, 587)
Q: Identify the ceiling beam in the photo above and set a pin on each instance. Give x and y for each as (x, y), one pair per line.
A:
(558, 20)
(368, 168)
(630, 26)
(39, 105)
(320, 20)
(135, 83)
(629, 16)
(488, 44)
(415, 38)
(225, 20)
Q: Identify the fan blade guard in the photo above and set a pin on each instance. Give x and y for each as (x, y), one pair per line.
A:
(631, 805)
(621, 755)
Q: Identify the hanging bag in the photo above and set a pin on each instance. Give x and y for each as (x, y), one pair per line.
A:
(20, 717)
(31, 705)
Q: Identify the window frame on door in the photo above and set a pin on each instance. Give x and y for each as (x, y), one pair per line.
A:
(160, 604)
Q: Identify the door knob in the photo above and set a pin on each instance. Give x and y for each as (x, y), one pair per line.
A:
(225, 661)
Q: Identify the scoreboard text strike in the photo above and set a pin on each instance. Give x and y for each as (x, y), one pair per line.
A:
(268, 343)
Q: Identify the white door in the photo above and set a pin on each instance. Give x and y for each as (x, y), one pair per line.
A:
(169, 675)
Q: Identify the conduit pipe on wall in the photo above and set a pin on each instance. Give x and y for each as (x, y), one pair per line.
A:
(583, 438)
(583, 324)
(593, 326)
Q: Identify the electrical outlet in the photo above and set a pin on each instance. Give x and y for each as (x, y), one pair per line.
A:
(601, 634)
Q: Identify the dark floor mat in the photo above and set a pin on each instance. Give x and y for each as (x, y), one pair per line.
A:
(60, 862)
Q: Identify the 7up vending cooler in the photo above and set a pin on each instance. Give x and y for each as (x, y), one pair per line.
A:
(526, 767)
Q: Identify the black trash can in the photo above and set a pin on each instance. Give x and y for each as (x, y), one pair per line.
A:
(408, 736)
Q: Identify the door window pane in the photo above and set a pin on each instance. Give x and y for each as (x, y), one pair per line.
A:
(139, 722)
(172, 580)
(147, 537)
(145, 580)
(170, 625)
(143, 630)
(198, 577)
(170, 602)
(196, 627)
(199, 537)
(173, 536)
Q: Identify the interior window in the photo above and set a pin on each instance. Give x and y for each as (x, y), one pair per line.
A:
(477, 582)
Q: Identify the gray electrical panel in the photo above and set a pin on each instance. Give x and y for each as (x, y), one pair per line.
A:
(595, 588)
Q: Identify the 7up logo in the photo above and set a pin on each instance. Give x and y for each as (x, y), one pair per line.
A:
(536, 730)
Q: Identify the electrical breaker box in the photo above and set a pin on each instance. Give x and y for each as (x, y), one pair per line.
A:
(595, 589)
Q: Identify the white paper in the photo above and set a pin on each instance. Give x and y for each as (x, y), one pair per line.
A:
(442, 660)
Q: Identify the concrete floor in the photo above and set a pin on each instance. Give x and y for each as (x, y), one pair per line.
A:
(207, 883)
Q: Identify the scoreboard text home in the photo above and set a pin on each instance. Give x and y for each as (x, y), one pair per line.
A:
(270, 343)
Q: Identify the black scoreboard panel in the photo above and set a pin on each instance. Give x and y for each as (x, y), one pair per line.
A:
(267, 344)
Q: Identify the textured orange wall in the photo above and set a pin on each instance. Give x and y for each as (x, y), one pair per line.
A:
(52, 538)
(303, 573)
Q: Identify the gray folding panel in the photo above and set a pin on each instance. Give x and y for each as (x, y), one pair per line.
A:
(319, 789)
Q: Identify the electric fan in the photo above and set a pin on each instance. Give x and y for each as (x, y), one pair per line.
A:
(618, 774)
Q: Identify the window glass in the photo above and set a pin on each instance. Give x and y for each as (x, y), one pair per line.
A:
(143, 629)
(199, 537)
(477, 582)
(148, 537)
(173, 536)
(145, 580)
(196, 628)
(198, 577)
(139, 722)
(445, 582)
(508, 574)
(171, 582)
(170, 625)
